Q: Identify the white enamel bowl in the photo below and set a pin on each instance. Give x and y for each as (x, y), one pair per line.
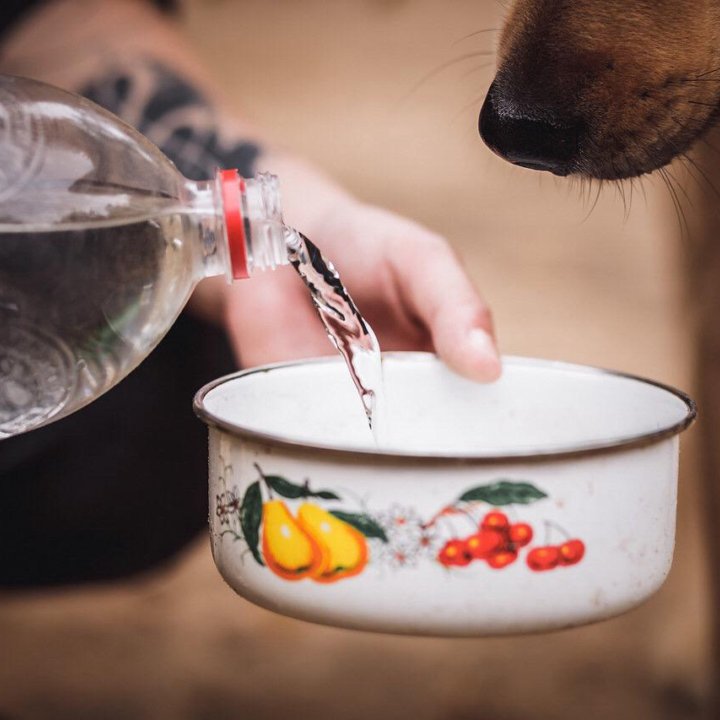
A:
(311, 519)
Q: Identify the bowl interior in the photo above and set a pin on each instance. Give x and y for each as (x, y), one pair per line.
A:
(537, 407)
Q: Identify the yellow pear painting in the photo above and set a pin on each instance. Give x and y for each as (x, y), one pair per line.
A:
(313, 543)
(289, 552)
(344, 549)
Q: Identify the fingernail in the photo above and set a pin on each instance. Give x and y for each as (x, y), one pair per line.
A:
(483, 345)
(481, 342)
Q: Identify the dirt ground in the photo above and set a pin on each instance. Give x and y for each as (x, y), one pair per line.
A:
(338, 82)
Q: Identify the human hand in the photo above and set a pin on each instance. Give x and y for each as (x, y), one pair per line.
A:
(405, 280)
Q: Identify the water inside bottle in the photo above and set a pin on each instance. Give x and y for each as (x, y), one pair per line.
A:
(348, 331)
(80, 308)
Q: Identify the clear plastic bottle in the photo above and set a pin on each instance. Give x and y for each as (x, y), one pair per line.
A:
(101, 244)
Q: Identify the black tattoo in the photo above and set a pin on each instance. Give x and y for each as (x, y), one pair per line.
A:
(174, 115)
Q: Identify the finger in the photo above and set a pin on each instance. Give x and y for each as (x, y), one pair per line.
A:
(270, 319)
(440, 293)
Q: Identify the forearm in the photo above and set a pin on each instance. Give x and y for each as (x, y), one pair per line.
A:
(89, 46)
(72, 43)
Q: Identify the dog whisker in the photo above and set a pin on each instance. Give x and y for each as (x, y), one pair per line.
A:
(444, 66)
(708, 144)
(666, 182)
(476, 69)
(641, 182)
(690, 171)
(589, 185)
(691, 81)
(680, 155)
(474, 34)
(680, 186)
(702, 104)
(620, 189)
(597, 198)
(584, 189)
(709, 72)
(679, 211)
(691, 162)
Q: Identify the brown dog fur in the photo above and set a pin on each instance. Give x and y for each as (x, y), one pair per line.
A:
(643, 76)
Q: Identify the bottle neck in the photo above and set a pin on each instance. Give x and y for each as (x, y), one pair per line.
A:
(239, 224)
(266, 232)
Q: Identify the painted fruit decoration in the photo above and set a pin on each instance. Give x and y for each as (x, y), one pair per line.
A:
(315, 543)
(343, 548)
(288, 551)
(299, 533)
(497, 539)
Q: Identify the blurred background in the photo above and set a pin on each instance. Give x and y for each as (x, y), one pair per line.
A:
(384, 95)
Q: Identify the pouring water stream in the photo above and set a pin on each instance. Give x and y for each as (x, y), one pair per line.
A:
(348, 331)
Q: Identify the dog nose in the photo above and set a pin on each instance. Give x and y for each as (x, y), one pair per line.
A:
(538, 143)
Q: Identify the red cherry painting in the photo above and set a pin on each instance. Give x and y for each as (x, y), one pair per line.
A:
(501, 559)
(521, 534)
(455, 552)
(543, 558)
(495, 521)
(571, 552)
(483, 543)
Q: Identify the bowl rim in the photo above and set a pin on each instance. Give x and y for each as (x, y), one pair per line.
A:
(529, 454)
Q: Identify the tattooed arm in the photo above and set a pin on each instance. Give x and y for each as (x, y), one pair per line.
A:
(406, 280)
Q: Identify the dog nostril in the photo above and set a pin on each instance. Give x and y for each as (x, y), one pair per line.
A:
(529, 142)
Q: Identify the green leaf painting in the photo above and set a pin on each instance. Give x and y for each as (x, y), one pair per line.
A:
(250, 518)
(325, 495)
(283, 487)
(364, 523)
(504, 492)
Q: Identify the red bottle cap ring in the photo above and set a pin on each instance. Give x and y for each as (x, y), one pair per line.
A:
(232, 186)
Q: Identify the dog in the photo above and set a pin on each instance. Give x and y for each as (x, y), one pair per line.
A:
(603, 89)
(612, 90)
